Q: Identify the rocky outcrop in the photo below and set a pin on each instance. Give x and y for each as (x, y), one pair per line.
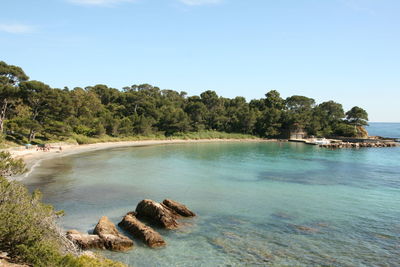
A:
(361, 132)
(157, 213)
(112, 238)
(6, 261)
(359, 145)
(178, 208)
(86, 241)
(107, 236)
(141, 231)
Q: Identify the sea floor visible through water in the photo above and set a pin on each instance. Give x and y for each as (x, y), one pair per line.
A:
(271, 204)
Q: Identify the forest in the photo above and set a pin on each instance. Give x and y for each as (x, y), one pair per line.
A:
(31, 110)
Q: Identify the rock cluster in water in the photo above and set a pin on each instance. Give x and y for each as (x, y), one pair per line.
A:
(106, 235)
(359, 145)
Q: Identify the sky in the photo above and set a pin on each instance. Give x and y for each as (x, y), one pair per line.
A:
(342, 50)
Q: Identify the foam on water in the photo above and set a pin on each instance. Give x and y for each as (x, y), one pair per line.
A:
(268, 204)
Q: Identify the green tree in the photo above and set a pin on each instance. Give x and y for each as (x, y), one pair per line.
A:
(125, 127)
(142, 125)
(274, 100)
(173, 120)
(215, 117)
(299, 111)
(241, 118)
(357, 116)
(270, 116)
(10, 77)
(39, 97)
(326, 118)
(197, 112)
(32, 107)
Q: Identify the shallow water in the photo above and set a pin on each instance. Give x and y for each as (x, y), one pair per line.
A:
(269, 204)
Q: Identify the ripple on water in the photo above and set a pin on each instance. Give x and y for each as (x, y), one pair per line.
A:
(258, 204)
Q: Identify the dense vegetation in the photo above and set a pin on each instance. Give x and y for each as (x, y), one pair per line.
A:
(28, 232)
(30, 109)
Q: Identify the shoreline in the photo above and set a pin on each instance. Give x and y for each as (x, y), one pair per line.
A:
(34, 158)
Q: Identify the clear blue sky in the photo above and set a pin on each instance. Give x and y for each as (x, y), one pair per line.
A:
(342, 50)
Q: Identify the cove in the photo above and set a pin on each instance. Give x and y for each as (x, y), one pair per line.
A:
(269, 204)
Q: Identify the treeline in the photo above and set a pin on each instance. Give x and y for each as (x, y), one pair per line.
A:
(31, 108)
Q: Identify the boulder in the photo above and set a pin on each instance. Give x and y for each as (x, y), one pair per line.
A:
(86, 241)
(178, 208)
(6, 261)
(141, 231)
(113, 239)
(157, 213)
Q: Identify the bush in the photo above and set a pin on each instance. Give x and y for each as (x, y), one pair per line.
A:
(10, 166)
(27, 226)
(346, 130)
(82, 139)
(83, 130)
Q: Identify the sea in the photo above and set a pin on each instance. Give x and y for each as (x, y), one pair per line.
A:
(257, 203)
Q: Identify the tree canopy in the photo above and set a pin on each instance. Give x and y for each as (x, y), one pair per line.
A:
(357, 116)
(31, 109)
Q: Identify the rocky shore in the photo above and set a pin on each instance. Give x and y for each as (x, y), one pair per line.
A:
(106, 235)
(338, 145)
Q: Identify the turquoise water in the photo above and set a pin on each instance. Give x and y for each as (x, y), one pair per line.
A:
(268, 204)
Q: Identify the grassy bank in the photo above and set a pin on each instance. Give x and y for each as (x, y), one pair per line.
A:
(83, 139)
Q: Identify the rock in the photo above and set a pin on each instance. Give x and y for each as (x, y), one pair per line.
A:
(142, 231)
(178, 208)
(361, 144)
(86, 241)
(89, 254)
(306, 229)
(113, 239)
(361, 132)
(4, 255)
(6, 263)
(157, 213)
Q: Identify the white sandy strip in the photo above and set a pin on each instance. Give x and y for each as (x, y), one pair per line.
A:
(34, 158)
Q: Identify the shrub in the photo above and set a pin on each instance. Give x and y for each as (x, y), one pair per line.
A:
(27, 226)
(10, 166)
(83, 130)
(347, 130)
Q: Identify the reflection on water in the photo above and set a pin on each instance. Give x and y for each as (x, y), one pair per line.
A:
(269, 204)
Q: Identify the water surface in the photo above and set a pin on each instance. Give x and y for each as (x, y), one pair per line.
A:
(385, 129)
(271, 204)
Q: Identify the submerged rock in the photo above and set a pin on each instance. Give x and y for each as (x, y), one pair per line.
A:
(178, 208)
(112, 238)
(142, 231)
(157, 213)
(86, 241)
(305, 229)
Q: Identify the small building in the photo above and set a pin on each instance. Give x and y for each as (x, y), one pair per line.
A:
(295, 133)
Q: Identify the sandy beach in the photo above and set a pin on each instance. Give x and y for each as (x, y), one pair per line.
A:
(33, 157)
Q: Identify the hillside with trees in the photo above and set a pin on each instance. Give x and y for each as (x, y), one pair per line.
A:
(32, 111)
